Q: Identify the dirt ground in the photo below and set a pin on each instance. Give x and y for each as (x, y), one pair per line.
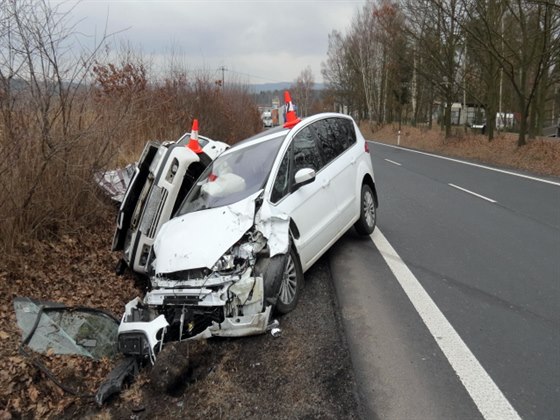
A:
(304, 373)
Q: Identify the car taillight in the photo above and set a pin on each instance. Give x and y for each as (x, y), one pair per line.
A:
(366, 147)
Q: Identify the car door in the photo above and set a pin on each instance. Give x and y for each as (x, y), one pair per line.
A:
(312, 207)
(337, 139)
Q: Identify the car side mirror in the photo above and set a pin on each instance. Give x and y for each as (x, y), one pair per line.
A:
(303, 177)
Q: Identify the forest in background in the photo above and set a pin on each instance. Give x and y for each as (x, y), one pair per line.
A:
(406, 61)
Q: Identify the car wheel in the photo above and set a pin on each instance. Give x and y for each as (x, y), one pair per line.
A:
(368, 212)
(290, 284)
(280, 274)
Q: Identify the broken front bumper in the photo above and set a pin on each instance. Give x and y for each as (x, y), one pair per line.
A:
(233, 308)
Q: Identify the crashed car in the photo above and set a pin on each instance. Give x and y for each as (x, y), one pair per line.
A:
(256, 220)
(163, 176)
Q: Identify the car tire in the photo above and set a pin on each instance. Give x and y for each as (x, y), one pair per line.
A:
(368, 212)
(283, 281)
(291, 284)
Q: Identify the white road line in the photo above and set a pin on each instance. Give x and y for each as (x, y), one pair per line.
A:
(473, 193)
(532, 178)
(393, 162)
(488, 398)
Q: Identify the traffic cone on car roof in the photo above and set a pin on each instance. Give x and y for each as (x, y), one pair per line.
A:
(194, 145)
(291, 116)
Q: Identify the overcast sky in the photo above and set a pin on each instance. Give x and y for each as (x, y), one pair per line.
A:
(257, 41)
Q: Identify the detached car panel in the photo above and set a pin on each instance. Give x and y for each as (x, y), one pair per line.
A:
(164, 175)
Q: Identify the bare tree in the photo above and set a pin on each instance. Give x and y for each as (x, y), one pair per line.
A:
(525, 51)
(302, 90)
(42, 101)
(438, 38)
(368, 58)
(335, 69)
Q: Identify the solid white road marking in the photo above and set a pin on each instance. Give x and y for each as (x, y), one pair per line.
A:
(473, 193)
(488, 398)
(393, 162)
(532, 178)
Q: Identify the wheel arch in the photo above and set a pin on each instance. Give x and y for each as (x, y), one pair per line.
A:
(368, 180)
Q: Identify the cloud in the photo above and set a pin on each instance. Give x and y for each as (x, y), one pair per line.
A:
(265, 38)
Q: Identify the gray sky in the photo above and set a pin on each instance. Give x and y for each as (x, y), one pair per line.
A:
(258, 41)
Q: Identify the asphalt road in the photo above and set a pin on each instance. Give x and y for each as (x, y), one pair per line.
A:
(485, 246)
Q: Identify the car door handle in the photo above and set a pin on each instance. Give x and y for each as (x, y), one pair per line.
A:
(353, 161)
(326, 183)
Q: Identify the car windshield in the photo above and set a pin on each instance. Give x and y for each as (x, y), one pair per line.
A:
(233, 176)
(184, 140)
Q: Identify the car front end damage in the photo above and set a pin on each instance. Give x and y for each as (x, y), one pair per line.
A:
(197, 292)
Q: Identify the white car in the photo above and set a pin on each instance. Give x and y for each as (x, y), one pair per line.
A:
(163, 176)
(257, 219)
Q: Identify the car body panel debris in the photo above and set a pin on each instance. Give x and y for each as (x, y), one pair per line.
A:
(115, 182)
(163, 176)
(58, 329)
(52, 328)
(125, 370)
(140, 338)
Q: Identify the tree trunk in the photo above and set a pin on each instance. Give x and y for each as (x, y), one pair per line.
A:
(521, 140)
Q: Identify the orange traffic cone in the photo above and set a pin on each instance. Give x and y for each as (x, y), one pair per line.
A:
(291, 117)
(194, 145)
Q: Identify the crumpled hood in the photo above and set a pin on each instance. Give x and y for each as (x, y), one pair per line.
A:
(199, 239)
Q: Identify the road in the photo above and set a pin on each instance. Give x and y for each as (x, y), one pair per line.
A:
(485, 247)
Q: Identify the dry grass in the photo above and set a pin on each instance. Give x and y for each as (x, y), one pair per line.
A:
(540, 156)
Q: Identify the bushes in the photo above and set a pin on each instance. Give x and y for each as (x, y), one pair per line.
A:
(64, 116)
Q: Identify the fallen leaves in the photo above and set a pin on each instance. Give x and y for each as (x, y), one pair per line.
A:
(541, 156)
(76, 270)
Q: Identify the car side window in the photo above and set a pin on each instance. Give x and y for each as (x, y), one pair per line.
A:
(306, 153)
(281, 185)
(344, 131)
(330, 143)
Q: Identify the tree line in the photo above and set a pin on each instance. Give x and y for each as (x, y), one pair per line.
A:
(406, 60)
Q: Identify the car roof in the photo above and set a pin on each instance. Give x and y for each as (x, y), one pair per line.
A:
(261, 137)
(276, 132)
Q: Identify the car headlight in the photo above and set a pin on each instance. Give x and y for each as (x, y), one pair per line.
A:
(240, 255)
(225, 263)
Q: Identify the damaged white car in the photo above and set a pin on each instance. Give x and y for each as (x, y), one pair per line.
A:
(257, 218)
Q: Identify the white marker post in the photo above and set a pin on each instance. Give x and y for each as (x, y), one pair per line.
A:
(399, 138)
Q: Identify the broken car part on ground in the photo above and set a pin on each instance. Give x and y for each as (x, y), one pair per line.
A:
(51, 328)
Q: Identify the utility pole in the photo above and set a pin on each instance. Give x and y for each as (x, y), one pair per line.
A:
(500, 123)
(223, 69)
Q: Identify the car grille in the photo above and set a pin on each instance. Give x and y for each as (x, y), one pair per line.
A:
(181, 300)
(152, 214)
